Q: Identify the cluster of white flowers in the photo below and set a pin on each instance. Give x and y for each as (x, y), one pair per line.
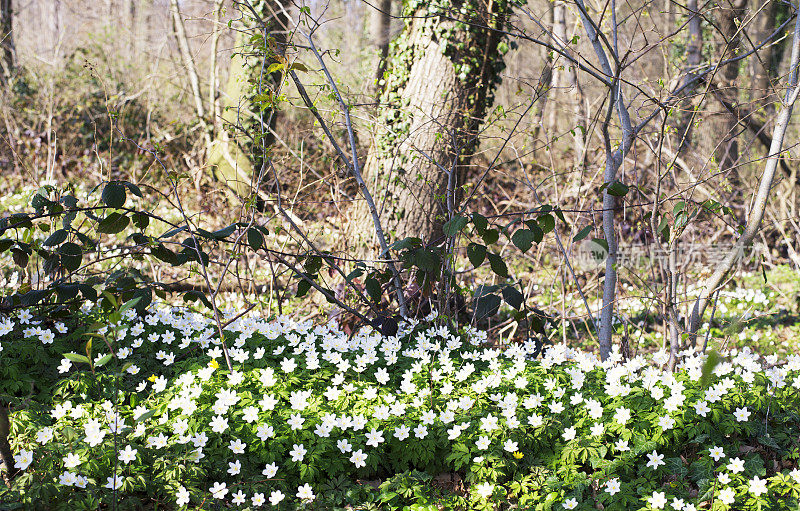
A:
(434, 382)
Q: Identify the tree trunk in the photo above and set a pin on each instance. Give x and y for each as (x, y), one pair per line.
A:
(694, 53)
(381, 28)
(8, 57)
(50, 14)
(213, 102)
(133, 29)
(148, 28)
(722, 126)
(761, 91)
(179, 31)
(229, 155)
(233, 155)
(559, 80)
(565, 91)
(542, 92)
(439, 81)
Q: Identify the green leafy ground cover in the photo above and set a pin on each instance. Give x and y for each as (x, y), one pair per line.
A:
(314, 418)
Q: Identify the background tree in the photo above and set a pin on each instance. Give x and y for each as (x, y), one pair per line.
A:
(763, 67)
(720, 121)
(693, 55)
(179, 31)
(438, 83)
(247, 115)
(8, 57)
(566, 91)
(381, 32)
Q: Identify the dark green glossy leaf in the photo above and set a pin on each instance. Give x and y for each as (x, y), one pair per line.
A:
(476, 254)
(113, 223)
(113, 195)
(453, 226)
(69, 201)
(172, 232)
(480, 223)
(538, 233)
(33, 297)
(223, 233)
(20, 257)
(141, 220)
(195, 295)
(164, 254)
(523, 239)
(19, 221)
(71, 256)
(373, 289)
(486, 306)
(603, 243)
(313, 264)
(133, 188)
(498, 265)
(58, 237)
(617, 189)
(406, 243)
(303, 287)
(547, 223)
(513, 297)
(66, 292)
(255, 238)
(358, 272)
(427, 260)
(490, 236)
(583, 233)
(88, 292)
